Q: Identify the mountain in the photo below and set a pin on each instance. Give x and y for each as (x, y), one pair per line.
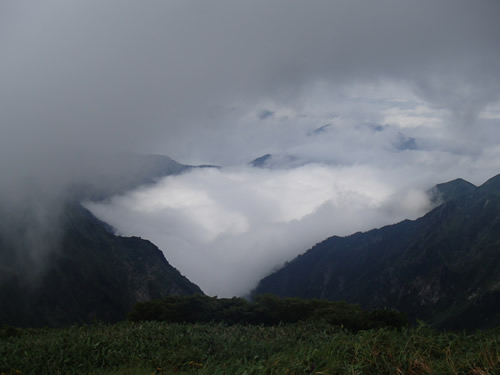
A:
(75, 269)
(320, 130)
(450, 190)
(261, 161)
(443, 268)
(123, 172)
(277, 161)
(95, 275)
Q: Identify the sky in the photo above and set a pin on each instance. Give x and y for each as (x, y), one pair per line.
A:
(363, 106)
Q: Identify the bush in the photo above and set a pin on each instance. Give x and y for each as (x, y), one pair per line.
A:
(266, 310)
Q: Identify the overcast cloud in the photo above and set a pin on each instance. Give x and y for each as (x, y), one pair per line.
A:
(409, 91)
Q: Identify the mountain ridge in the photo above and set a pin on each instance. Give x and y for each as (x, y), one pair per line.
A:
(450, 190)
(95, 275)
(443, 267)
(125, 172)
(83, 271)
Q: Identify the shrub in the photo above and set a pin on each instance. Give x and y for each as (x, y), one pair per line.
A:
(265, 310)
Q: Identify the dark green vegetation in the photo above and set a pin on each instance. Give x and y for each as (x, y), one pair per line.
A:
(266, 310)
(95, 275)
(307, 348)
(443, 268)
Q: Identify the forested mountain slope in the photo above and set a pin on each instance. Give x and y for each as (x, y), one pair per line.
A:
(443, 267)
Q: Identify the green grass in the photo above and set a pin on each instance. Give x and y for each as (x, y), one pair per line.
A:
(308, 348)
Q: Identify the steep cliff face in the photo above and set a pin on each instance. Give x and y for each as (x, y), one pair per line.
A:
(443, 267)
(94, 275)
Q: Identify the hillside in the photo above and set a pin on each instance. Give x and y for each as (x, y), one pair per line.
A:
(122, 172)
(443, 267)
(95, 275)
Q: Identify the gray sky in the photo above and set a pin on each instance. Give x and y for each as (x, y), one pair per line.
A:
(410, 91)
(155, 74)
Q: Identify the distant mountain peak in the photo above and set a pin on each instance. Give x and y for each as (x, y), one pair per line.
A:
(261, 161)
(492, 184)
(450, 190)
(320, 130)
(443, 267)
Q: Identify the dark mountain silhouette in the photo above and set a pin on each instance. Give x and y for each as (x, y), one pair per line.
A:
(261, 161)
(443, 268)
(94, 275)
(277, 161)
(124, 172)
(320, 130)
(88, 273)
(450, 190)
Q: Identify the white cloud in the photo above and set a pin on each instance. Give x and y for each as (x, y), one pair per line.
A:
(225, 229)
(413, 117)
(491, 112)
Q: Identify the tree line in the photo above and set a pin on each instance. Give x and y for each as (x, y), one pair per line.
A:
(264, 310)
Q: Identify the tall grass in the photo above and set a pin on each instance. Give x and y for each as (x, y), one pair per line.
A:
(305, 348)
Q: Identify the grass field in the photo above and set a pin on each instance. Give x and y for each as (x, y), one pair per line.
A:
(303, 348)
